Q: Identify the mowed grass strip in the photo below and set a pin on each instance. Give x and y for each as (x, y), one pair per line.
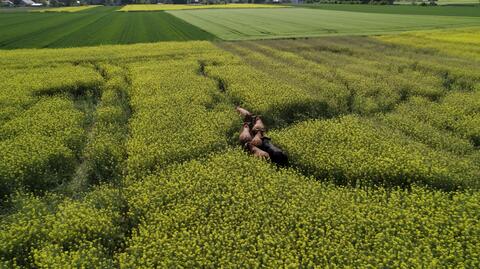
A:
(92, 27)
(238, 24)
(466, 11)
(182, 7)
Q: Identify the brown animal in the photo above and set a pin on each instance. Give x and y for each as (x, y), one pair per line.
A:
(258, 126)
(245, 135)
(256, 151)
(257, 139)
(247, 115)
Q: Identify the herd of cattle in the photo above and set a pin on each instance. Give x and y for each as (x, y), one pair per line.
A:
(252, 138)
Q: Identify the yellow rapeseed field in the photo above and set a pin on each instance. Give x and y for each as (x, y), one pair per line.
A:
(65, 9)
(463, 42)
(128, 156)
(181, 7)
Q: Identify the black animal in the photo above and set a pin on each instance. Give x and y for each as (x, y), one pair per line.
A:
(277, 156)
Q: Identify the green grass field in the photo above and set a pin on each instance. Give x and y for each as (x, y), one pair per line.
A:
(298, 22)
(458, 2)
(444, 2)
(404, 9)
(96, 26)
(103, 25)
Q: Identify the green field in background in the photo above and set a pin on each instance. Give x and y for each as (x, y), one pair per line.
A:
(443, 2)
(104, 25)
(91, 27)
(298, 22)
(467, 11)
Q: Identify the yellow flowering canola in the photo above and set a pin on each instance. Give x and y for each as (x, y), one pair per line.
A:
(127, 156)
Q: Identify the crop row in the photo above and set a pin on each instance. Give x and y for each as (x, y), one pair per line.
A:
(21, 88)
(312, 92)
(455, 119)
(462, 43)
(18, 59)
(162, 117)
(57, 232)
(105, 152)
(61, 103)
(431, 110)
(39, 148)
(340, 52)
(233, 210)
(74, 29)
(356, 151)
(178, 114)
(42, 128)
(343, 82)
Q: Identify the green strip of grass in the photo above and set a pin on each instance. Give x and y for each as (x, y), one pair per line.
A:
(464, 11)
(97, 26)
(304, 22)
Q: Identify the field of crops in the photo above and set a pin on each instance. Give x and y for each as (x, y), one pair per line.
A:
(181, 7)
(105, 25)
(127, 156)
(96, 26)
(463, 43)
(442, 2)
(240, 24)
(467, 11)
